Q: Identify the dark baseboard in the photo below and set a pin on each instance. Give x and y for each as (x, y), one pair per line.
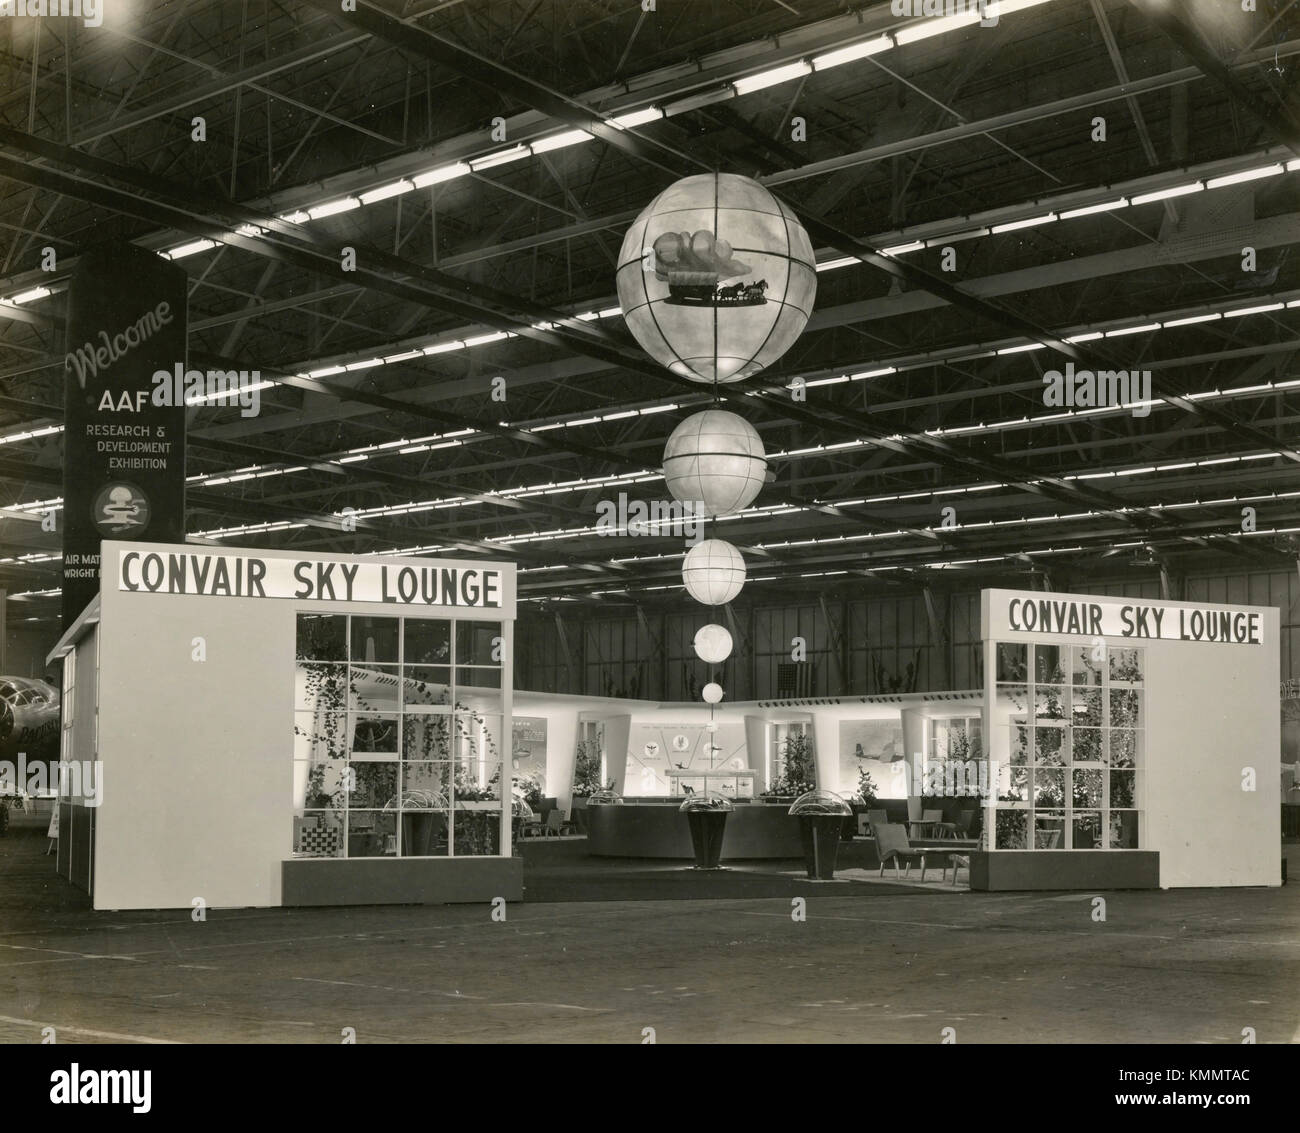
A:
(1065, 869)
(401, 881)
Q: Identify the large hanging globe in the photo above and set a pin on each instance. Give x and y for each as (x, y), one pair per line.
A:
(716, 278)
(715, 460)
(713, 644)
(713, 572)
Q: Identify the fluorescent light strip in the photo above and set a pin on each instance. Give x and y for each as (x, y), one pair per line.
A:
(1245, 175)
(900, 249)
(852, 53)
(927, 29)
(190, 249)
(333, 208)
(1166, 194)
(440, 174)
(384, 192)
(1089, 210)
(634, 118)
(30, 296)
(501, 157)
(1028, 222)
(771, 78)
(560, 141)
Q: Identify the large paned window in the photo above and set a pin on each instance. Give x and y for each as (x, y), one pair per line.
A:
(1074, 741)
(953, 755)
(397, 738)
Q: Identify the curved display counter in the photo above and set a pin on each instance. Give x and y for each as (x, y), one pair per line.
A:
(657, 830)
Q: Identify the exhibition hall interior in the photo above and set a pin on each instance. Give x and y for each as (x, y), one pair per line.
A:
(518, 517)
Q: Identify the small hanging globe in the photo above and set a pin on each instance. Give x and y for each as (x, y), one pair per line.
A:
(713, 644)
(716, 278)
(713, 572)
(715, 460)
(712, 693)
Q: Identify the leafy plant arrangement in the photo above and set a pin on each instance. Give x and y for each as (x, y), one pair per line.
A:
(586, 770)
(866, 786)
(1013, 829)
(798, 771)
(325, 687)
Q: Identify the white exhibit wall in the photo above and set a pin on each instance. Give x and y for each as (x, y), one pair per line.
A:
(198, 750)
(197, 755)
(1211, 730)
(1211, 717)
(561, 716)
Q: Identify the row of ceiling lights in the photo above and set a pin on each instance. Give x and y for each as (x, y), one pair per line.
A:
(917, 30)
(456, 438)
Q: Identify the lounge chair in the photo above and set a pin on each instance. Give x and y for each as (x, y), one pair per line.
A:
(876, 818)
(892, 844)
(557, 824)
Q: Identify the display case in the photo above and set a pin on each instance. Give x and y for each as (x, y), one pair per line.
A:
(729, 784)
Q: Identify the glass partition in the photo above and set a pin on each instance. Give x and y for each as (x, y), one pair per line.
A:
(1070, 729)
(397, 737)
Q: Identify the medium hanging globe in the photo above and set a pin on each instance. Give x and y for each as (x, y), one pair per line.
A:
(716, 278)
(715, 460)
(712, 644)
(712, 693)
(713, 572)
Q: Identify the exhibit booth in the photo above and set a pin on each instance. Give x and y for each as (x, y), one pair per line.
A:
(1136, 743)
(273, 728)
(1115, 744)
(267, 728)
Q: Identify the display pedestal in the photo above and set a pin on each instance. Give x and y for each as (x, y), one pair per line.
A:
(707, 829)
(417, 834)
(821, 843)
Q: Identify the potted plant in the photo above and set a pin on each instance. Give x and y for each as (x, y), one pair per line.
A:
(798, 773)
(586, 780)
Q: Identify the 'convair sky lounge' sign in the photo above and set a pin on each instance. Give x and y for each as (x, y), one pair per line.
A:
(225, 575)
(1052, 615)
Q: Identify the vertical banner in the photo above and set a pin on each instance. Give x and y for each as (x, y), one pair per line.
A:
(123, 455)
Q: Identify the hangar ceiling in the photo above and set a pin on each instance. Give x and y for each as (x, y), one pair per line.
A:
(976, 148)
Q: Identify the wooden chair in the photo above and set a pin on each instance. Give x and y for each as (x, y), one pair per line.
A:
(892, 844)
(964, 820)
(1047, 839)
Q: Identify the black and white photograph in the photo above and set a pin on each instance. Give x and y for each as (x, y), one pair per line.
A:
(690, 522)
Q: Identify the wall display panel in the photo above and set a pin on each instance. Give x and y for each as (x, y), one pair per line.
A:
(656, 749)
(874, 746)
(528, 752)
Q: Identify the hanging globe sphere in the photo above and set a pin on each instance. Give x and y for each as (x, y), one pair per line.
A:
(712, 693)
(715, 459)
(713, 572)
(712, 644)
(716, 278)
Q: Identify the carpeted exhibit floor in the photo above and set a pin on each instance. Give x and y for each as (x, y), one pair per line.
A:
(560, 870)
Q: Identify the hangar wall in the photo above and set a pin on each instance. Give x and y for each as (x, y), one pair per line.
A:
(862, 647)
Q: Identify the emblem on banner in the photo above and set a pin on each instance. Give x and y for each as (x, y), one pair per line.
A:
(121, 511)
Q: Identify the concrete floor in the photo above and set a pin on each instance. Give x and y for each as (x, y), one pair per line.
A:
(1185, 966)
